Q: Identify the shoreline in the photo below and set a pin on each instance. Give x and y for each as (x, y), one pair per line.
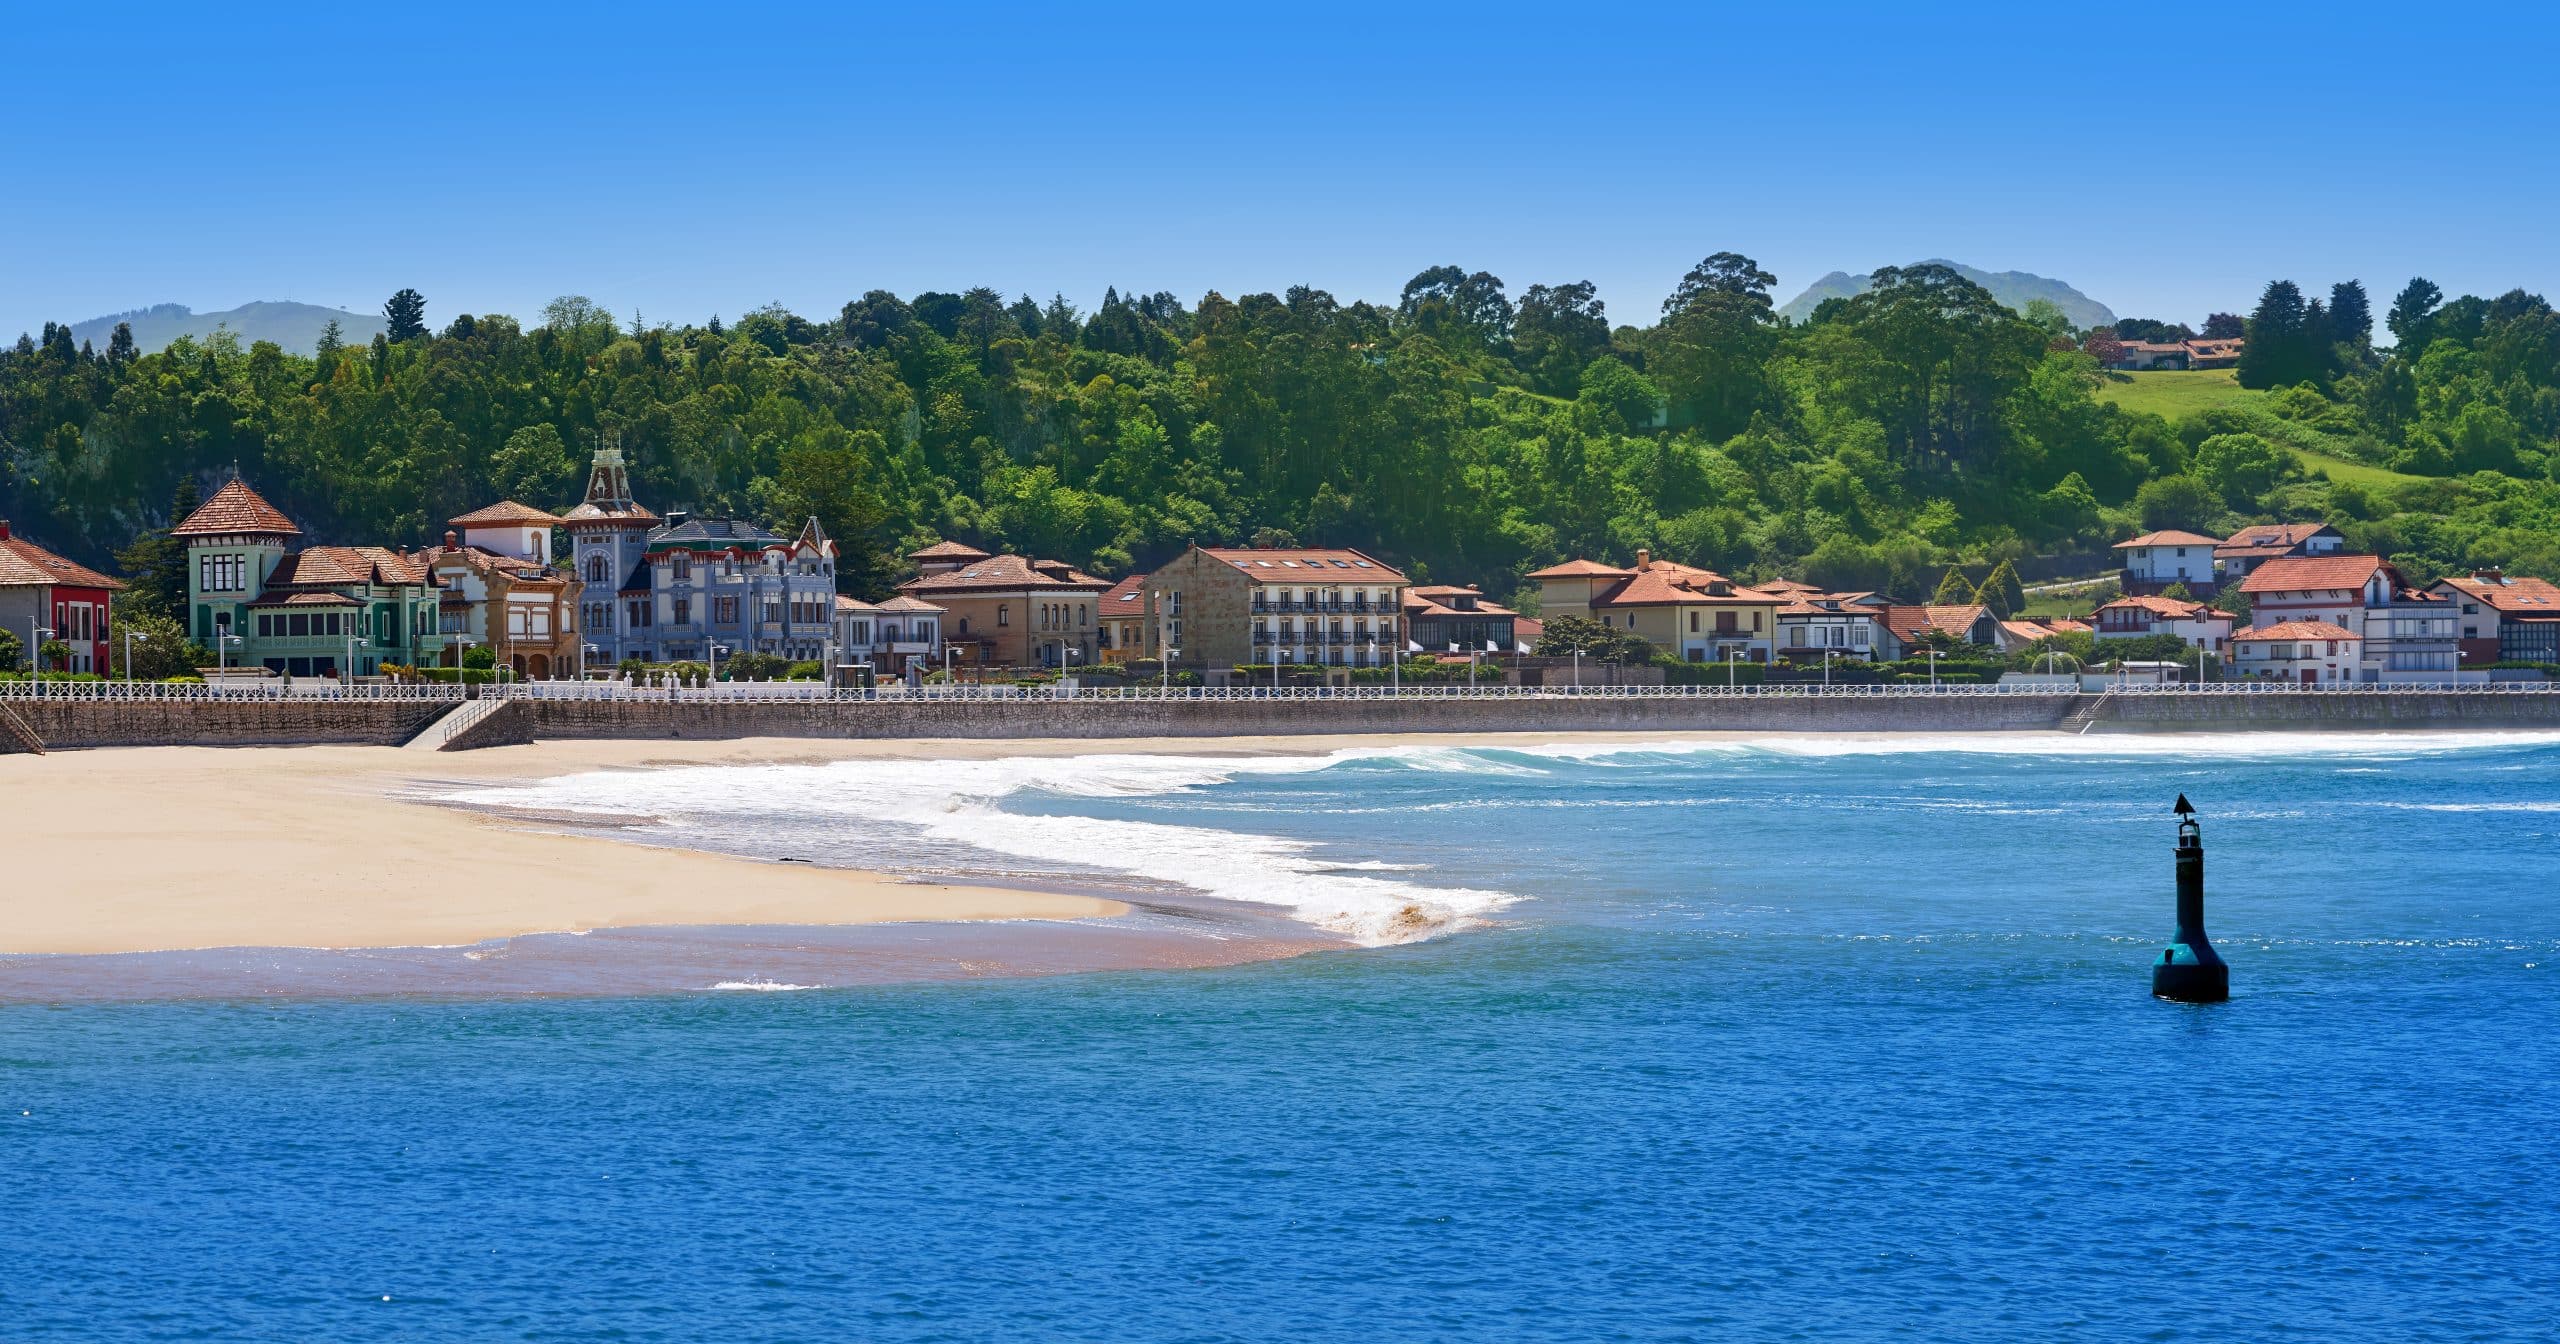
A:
(217, 871)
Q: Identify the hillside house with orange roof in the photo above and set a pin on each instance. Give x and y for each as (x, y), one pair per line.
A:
(2198, 625)
(2155, 560)
(42, 591)
(320, 611)
(2504, 617)
(1692, 613)
(1226, 606)
(2402, 635)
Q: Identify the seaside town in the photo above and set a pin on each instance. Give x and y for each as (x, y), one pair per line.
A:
(610, 589)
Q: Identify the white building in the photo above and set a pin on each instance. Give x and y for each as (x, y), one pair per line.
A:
(2308, 653)
(2200, 626)
(2155, 560)
(888, 635)
(2401, 635)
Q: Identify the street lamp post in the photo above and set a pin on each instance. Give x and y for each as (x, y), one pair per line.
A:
(713, 673)
(129, 637)
(35, 652)
(1933, 669)
(1826, 667)
(347, 672)
(222, 642)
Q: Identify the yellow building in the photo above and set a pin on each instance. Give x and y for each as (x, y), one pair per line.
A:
(1693, 613)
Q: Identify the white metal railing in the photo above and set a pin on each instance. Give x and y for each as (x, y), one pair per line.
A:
(279, 689)
(804, 691)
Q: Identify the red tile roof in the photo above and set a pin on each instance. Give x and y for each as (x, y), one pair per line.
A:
(910, 604)
(235, 508)
(2270, 540)
(2308, 573)
(1288, 565)
(2511, 595)
(504, 511)
(948, 550)
(23, 563)
(316, 566)
(1004, 573)
(1908, 622)
(1581, 569)
(2168, 606)
(1666, 583)
(2294, 630)
(1128, 592)
(853, 604)
(2171, 537)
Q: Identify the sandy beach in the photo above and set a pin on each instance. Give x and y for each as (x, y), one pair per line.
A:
(168, 848)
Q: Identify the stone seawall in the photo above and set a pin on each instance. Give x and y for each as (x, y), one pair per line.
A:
(62, 724)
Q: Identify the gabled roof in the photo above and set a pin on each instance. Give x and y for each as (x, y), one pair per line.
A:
(503, 512)
(1003, 573)
(306, 599)
(853, 605)
(1295, 564)
(2510, 595)
(517, 568)
(23, 564)
(1129, 593)
(1581, 569)
(2295, 630)
(2029, 632)
(910, 604)
(235, 508)
(2171, 537)
(2271, 539)
(948, 550)
(1666, 583)
(2306, 573)
(1786, 586)
(321, 566)
(2169, 607)
(1908, 623)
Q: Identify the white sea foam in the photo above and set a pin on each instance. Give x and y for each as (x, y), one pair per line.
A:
(763, 986)
(961, 801)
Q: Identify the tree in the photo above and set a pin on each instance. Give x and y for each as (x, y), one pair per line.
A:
(2412, 314)
(120, 351)
(2351, 316)
(161, 648)
(2178, 592)
(533, 465)
(2275, 355)
(2101, 345)
(2047, 316)
(1954, 590)
(1566, 636)
(1718, 332)
(13, 651)
(2003, 592)
(1448, 303)
(2182, 502)
(155, 563)
(1556, 333)
(2225, 327)
(1932, 358)
(53, 656)
(2241, 467)
(406, 312)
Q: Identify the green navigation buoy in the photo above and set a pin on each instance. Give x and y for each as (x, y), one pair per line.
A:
(2189, 970)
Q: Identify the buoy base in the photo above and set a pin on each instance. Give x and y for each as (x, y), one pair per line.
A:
(2190, 982)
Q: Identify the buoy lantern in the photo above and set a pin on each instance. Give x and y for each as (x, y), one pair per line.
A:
(2189, 970)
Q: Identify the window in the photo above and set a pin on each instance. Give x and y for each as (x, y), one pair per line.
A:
(683, 612)
(683, 570)
(220, 574)
(1004, 614)
(724, 610)
(1693, 622)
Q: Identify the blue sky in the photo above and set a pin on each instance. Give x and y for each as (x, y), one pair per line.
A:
(711, 158)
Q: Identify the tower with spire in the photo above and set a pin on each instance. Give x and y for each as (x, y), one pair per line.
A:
(609, 533)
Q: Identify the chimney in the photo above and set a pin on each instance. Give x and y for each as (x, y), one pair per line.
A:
(1644, 559)
(677, 517)
(449, 539)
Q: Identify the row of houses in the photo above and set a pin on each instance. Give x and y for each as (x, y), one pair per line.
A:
(2204, 352)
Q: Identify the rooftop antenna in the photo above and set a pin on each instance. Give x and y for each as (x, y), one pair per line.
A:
(2189, 970)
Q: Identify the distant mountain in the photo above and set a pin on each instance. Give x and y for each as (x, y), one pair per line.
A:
(2013, 288)
(295, 326)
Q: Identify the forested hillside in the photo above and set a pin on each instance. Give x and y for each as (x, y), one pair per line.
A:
(1470, 432)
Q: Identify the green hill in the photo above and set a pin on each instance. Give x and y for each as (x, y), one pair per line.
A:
(295, 326)
(2013, 288)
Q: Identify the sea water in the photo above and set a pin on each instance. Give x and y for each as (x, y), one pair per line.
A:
(1804, 1039)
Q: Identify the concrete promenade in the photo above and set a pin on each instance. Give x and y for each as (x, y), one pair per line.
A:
(438, 718)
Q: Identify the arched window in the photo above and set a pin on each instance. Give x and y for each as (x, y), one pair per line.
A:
(1004, 614)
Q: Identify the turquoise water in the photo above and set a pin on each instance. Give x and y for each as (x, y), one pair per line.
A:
(1721, 1043)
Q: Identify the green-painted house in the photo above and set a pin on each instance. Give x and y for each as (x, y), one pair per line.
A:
(307, 613)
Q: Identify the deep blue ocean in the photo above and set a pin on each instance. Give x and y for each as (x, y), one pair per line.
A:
(1805, 1041)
